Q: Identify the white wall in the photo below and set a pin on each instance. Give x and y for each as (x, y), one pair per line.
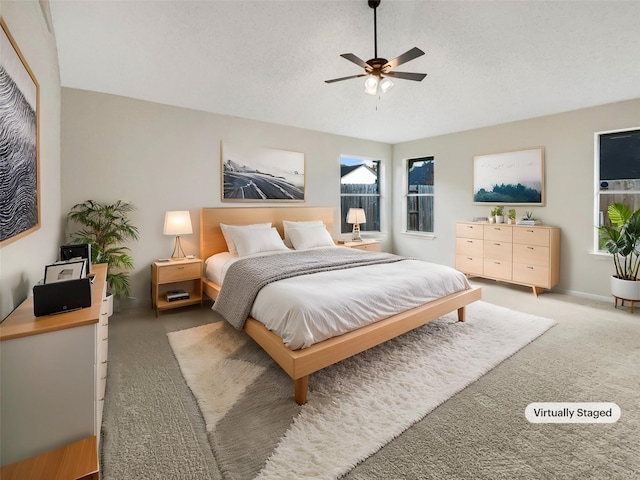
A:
(568, 140)
(166, 158)
(22, 261)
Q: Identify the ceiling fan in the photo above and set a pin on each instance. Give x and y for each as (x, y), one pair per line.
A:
(379, 69)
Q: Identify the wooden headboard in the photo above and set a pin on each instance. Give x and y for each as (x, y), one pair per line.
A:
(212, 241)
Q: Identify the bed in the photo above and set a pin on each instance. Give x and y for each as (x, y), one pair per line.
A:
(301, 362)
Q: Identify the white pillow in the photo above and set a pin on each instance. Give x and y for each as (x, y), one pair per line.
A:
(257, 240)
(226, 232)
(310, 237)
(288, 224)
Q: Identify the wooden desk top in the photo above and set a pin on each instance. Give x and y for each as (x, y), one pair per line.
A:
(77, 460)
(23, 323)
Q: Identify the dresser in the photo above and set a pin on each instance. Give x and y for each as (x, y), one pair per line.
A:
(53, 375)
(524, 255)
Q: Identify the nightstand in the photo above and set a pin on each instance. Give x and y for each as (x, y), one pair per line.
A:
(173, 275)
(370, 245)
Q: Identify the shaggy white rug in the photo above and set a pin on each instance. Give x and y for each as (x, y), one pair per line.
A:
(354, 407)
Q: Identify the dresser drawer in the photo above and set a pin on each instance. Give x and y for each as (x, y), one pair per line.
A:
(176, 273)
(531, 275)
(531, 236)
(531, 255)
(469, 230)
(496, 250)
(497, 269)
(500, 233)
(469, 264)
(469, 246)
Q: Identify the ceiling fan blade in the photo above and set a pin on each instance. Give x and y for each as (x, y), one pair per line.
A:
(415, 52)
(345, 78)
(406, 75)
(358, 61)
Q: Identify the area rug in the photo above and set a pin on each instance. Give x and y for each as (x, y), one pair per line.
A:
(354, 408)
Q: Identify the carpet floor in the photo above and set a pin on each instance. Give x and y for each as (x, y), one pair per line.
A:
(153, 428)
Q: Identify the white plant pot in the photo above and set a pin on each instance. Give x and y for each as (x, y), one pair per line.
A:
(625, 289)
(499, 219)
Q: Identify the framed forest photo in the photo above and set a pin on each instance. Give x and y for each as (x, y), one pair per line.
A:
(19, 143)
(509, 178)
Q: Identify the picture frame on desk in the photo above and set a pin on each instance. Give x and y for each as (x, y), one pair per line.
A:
(61, 271)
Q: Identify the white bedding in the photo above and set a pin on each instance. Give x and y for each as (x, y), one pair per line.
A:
(310, 308)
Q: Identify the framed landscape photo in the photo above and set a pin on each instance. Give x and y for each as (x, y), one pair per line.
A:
(19, 143)
(509, 178)
(261, 174)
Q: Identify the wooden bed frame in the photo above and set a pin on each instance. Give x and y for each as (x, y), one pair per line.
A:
(299, 364)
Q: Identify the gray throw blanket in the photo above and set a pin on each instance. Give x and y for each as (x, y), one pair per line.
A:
(247, 276)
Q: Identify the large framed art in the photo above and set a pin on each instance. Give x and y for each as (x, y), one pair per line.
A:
(509, 178)
(19, 143)
(261, 174)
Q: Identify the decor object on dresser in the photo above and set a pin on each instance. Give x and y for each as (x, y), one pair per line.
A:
(20, 141)
(516, 254)
(356, 216)
(377, 70)
(167, 276)
(106, 227)
(177, 223)
(511, 216)
(53, 375)
(509, 178)
(261, 174)
(621, 239)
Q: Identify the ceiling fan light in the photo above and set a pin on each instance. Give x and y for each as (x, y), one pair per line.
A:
(371, 85)
(386, 85)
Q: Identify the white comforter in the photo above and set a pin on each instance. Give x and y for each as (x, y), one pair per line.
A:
(310, 308)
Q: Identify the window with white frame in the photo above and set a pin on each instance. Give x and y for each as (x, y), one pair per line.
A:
(420, 195)
(617, 174)
(360, 188)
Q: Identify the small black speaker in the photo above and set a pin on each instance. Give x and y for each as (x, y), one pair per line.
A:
(77, 250)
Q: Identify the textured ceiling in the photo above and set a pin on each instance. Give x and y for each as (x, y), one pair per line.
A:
(488, 62)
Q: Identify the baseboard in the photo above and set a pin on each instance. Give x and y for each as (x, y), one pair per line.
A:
(588, 296)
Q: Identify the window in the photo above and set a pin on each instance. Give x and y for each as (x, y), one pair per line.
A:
(360, 188)
(420, 195)
(617, 167)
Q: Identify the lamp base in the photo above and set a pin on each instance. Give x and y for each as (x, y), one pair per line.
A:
(355, 235)
(178, 249)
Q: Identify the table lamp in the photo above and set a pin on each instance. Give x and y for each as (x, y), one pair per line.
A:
(356, 216)
(177, 223)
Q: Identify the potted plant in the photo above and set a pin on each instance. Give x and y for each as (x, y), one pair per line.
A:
(492, 217)
(106, 227)
(511, 215)
(499, 214)
(621, 240)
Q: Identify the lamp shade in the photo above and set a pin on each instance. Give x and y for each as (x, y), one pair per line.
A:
(177, 223)
(356, 216)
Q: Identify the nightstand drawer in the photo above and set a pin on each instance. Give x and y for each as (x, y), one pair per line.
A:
(372, 247)
(176, 273)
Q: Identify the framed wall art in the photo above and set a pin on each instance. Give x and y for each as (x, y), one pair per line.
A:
(19, 143)
(261, 174)
(509, 178)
